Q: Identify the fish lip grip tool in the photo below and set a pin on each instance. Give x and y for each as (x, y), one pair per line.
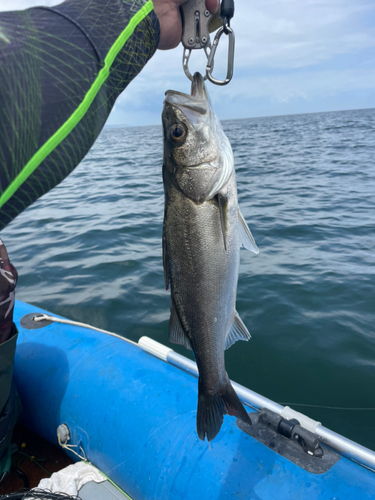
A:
(195, 21)
(195, 35)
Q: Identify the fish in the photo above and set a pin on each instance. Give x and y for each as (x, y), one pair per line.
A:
(203, 231)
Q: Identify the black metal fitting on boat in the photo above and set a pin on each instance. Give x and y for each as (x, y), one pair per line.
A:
(286, 427)
(308, 441)
(290, 440)
(291, 429)
(28, 321)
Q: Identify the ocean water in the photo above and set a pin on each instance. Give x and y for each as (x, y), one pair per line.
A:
(90, 250)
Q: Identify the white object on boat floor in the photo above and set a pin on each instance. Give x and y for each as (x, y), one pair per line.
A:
(72, 478)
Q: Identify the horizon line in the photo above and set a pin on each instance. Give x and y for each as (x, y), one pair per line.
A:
(249, 118)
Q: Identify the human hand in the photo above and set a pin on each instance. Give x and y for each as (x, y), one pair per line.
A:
(169, 16)
(8, 281)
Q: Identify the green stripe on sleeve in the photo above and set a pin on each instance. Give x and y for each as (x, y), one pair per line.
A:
(82, 109)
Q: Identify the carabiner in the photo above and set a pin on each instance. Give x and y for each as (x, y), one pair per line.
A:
(210, 61)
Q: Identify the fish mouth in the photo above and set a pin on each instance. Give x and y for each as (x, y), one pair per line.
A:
(198, 97)
(194, 106)
(183, 101)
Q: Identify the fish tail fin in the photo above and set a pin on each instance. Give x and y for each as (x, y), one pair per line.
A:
(213, 406)
(233, 404)
(210, 414)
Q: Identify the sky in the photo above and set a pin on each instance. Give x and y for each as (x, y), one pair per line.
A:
(292, 56)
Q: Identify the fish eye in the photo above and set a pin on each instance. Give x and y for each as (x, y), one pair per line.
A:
(178, 132)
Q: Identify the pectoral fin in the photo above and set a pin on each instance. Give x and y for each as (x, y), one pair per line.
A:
(238, 331)
(176, 332)
(222, 202)
(247, 239)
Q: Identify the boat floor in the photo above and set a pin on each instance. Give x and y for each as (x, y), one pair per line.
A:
(35, 458)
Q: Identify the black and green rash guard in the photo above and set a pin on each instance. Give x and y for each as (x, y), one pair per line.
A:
(61, 71)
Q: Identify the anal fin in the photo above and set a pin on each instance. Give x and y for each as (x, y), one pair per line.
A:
(247, 239)
(238, 331)
(177, 334)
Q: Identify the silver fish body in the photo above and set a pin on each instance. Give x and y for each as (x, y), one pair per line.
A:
(202, 234)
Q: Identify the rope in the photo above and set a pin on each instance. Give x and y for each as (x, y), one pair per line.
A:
(36, 494)
(70, 447)
(328, 407)
(46, 317)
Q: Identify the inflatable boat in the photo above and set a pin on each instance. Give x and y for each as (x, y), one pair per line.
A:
(129, 409)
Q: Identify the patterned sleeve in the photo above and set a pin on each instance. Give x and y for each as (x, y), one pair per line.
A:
(61, 71)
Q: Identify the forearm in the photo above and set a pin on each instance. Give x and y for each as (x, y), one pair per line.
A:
(62, 71)
(123, 34)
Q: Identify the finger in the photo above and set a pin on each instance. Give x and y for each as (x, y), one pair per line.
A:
(213, 5)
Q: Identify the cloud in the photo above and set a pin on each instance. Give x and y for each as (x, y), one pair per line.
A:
(304, 85)
(291, 33)
(288, 52)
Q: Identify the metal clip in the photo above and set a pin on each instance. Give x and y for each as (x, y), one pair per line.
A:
(195, 35)
(210, 60)
(195, 20)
